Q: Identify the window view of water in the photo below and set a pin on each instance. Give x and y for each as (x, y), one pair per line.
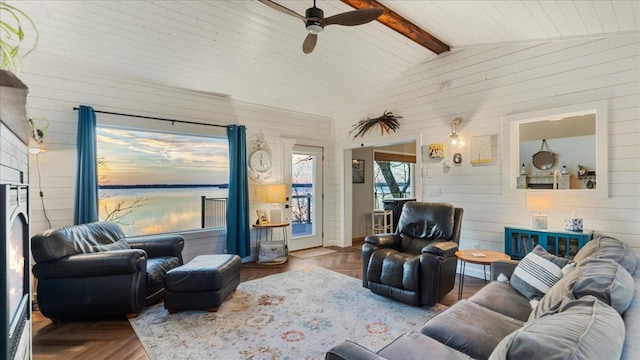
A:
(153, 182)
(161, 210)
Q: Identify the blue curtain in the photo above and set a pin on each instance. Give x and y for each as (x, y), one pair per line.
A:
(238, 236)
(86, 198)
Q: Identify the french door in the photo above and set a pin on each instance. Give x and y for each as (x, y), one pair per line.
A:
(306, 197)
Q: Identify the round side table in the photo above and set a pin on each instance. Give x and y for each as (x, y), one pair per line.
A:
(264, 236)
(477, 256)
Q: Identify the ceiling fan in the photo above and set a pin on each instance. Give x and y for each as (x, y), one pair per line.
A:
(315, 21)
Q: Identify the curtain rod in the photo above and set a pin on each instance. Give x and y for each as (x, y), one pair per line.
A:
(156, 118)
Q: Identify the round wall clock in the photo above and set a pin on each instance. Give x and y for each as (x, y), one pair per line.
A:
(260, 161)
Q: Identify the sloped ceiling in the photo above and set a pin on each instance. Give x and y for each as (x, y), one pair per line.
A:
(248, 51)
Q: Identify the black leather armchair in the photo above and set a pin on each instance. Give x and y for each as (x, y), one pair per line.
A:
(93, 270)
(416, 264)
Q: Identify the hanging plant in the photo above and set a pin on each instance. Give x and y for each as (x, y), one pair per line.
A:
(387, 122)
(12, 35)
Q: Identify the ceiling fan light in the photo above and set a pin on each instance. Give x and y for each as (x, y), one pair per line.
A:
(314, 18)
(314, 27)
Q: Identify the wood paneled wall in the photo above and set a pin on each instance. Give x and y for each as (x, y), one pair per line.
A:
(56, 87)
(482, 85)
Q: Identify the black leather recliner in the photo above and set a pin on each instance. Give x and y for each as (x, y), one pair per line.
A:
(93, 270)
(416, 264)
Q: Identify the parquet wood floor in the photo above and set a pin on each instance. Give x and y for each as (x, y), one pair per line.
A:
(114, 339)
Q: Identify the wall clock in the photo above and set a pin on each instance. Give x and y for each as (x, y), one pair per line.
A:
(260, 161)
(480, 149)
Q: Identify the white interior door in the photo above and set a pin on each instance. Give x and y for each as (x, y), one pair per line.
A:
(306, 198)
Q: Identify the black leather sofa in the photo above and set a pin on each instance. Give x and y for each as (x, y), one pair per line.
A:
(416, 264)
(93, 270)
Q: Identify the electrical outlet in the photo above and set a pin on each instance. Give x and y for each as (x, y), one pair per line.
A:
(429, 173)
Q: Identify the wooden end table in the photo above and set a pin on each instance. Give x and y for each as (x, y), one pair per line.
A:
(477, 256)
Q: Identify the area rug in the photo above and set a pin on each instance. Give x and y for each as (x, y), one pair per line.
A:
(309, 253)
(292, 315)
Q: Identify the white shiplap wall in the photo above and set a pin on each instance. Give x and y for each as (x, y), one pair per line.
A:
(483, 84)
(56, 87)
(282, 130)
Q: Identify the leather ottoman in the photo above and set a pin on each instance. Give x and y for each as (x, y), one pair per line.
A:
(203, 283)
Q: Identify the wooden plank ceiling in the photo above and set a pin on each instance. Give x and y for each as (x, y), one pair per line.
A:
(252, 53)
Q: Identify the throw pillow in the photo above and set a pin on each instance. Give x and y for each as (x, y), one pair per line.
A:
(118, 245)
(606, 247)
(608, 281)
(605, 279)
(538, 272)
(585, 328)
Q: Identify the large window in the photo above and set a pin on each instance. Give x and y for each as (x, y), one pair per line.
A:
(392, 177)
(153, 182)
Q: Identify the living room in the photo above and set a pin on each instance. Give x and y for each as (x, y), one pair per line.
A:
(111, 56)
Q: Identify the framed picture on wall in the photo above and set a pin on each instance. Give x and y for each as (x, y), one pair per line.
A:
(436, 151)
(480, 149)
(357, 171)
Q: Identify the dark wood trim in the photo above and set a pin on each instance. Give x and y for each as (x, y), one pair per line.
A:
(382, 156)
(405, 27)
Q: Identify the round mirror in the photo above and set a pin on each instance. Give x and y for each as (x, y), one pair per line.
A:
(544, 159)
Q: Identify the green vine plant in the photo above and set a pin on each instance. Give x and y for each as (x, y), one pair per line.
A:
(387, 122)
(12, 35)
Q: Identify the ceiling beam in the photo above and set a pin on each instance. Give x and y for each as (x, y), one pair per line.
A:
(405, 27)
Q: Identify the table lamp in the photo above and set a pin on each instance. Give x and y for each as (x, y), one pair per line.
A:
(538, 202)
(276, 194)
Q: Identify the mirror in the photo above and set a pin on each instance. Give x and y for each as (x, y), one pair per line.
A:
(543, 159)
(564, 149)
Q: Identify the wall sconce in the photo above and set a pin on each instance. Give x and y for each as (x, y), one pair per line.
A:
(455, 138)
(36, 147)
(539, 201)
(276, 194)
(38, 132)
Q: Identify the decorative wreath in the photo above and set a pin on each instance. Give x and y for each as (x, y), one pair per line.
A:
(387, 122)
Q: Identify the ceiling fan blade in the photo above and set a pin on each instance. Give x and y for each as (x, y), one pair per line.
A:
(355, 17)
(309, 43)
(282, 9)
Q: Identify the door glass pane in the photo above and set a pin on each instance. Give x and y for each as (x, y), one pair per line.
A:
(302, 194)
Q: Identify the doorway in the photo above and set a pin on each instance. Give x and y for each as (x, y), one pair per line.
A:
(306, 197)
(358, 200)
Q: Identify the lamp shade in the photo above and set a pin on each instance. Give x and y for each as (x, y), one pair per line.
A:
(539, 201)
(36, 147)
(276, 193)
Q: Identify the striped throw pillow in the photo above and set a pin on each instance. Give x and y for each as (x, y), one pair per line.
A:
(538, 272)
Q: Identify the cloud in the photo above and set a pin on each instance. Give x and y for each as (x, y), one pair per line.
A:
(139, 157)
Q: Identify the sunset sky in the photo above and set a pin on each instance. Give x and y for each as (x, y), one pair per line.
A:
(141, 157)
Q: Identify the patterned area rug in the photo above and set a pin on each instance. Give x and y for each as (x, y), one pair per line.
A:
(305, 254)
(292, 315)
